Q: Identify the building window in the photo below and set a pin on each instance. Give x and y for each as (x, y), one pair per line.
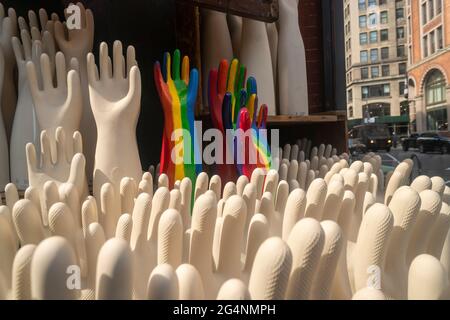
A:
(430, 9)
(373, 36)
(364, 73)
(377, 110)
(362, 21)
(425, 46)
(382, 2)
(432, 43)
(384, 35)
(400, 33)
(372, 20)
(440, 43)
(362, 4)
(350, 112)
(424, 13)
(375, 72)
(435, 101)
(373, 55)
(401, 88)
(384, 17)
(385, 53)
(363, 38)
(400, 51)
(364, 58)
(399, 13)
(375, 91)
(385, 71)
(349, 96)
(438, 6)
(402, 68)
(435, 88)
(372, 3)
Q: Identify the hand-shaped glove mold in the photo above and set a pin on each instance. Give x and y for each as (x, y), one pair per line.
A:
(65, 169)
(178, 95)
(8, 29)
(25, 127)
(77, 43)
(115, 101)
(4, 156)
(59, 106)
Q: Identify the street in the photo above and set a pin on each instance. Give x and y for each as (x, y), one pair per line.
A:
(431, 164)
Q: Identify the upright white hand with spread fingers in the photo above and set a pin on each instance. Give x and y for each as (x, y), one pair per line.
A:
(25, 128)
(8, 29)
(115, 100)
(77, 43)
(66, 168)
(60, 105)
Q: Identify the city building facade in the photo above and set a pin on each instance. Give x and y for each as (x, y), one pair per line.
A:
(376, 60)
(429, 63)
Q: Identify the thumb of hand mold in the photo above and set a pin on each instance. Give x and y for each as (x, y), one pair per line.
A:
(404, 205)
(323, 280)
(306, 243)
(370, 250)
(54, 272)
(163, 283)
(272, 266)
(114, 278)
(190, 285)
(201, 239)
(21, 273)
(427, 279)
(233, 289)
(115, 102)
(294, 211)
(421, 233)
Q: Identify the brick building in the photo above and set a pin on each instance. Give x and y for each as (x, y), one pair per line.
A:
(376, 60)
(429, 64)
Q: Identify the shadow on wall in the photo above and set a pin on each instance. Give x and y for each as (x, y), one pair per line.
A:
(147, 25)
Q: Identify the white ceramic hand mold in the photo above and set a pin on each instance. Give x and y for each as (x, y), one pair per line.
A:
(115, 95)
(77, 43)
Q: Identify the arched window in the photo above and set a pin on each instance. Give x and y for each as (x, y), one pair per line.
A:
(435, 88)
(435, 101)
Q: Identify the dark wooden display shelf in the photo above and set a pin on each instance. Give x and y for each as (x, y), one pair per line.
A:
(293, 120)
(264, 10)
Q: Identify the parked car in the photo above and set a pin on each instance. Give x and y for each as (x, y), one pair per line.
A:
(373, 136)
(410, 142)
(434, 141)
